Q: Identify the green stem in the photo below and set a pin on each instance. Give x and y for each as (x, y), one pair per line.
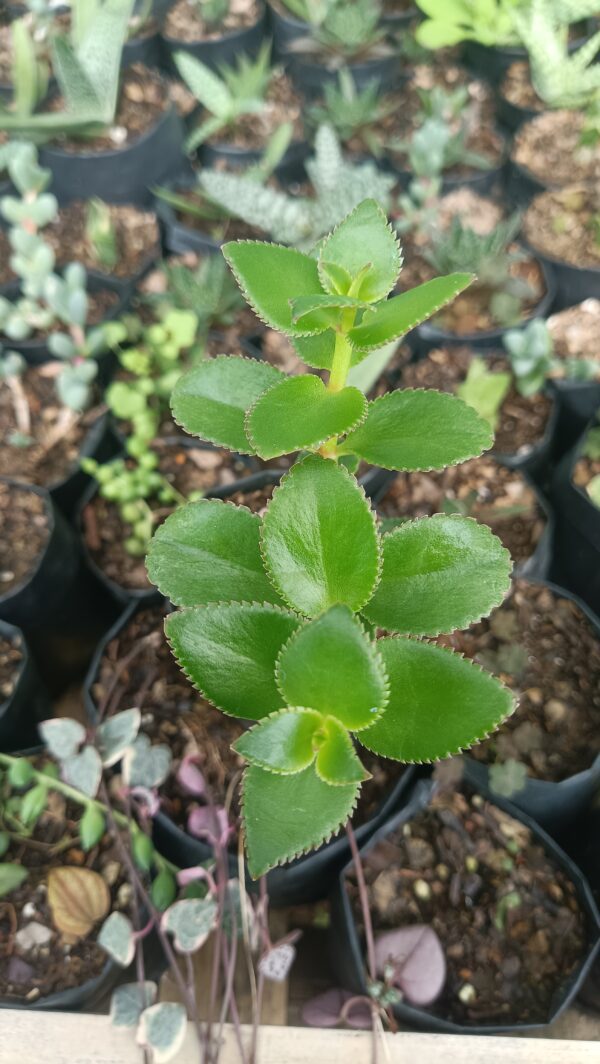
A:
(82, 799)
(341, 362)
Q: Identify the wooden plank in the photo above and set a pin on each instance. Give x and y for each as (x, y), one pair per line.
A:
(76, 1038)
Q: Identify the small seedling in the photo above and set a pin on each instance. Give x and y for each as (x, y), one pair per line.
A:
(101, 233)
(485, 390)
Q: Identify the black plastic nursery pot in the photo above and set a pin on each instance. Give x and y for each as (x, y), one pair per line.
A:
(522, 185)
(428, 336)
(573, 284)
(100, 443)
(146, 48)
(289, 169)
(179, 238)
(491, 63)
(345, 946)
(35, 350)
(535, 462)
(576, 562)
(510, 115)
(310, 75)
(76, 998)
(218, 51)
(576, 403)
(124, 175)
(28, 702)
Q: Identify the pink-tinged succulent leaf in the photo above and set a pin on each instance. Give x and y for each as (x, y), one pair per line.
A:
(189, 776)
(149, 800)
(417, 958)
(325, 1010)
(209, 822)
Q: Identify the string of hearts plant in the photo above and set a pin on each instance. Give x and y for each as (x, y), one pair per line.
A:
(282, 615)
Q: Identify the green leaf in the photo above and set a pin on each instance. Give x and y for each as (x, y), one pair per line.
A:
(209, 89)
(211, 401)
(439, 573)
(331, 665)
(163, 890)
(319, 541)
(298, 413)
(116, 734)
(11, 877)
(209, 551)
(162, 1030)
(440, 703)
(364, 238)
(91, 827)
(337, 762)
(316, 351)
(190, 921)
(62, 736)
(284, 816)
(229, 651)
(283, 742)
(485, 390)
(335, 279)
(146, 764)
(319, 313)
(116, 937)
(271, 275)
(399, 315)
(129, 1001)
(417, 429)
(33, 804)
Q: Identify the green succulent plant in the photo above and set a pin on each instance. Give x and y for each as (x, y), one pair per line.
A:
(353, 112)
(281, 611)
(207, 289)
(533, 360)
(561, 78)
(493, 23)
(301, 221)
(485, 390)
(101, 233)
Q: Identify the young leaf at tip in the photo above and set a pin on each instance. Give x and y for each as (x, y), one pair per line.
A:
(299, 413)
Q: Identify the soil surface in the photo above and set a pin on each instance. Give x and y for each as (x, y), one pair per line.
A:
(564, 225)
(136, 232)
(173, 712)
(24, 533)
(550, 148)
(142, 100)
(11, 661)
(522, 420)
(27, 974)
(278, 350)
(57, 433)
(575, 331)
(545, 649)
(451, 867)
(188, 469)
(493, 494)
(518, 90)
(184, 22)
(252, 131)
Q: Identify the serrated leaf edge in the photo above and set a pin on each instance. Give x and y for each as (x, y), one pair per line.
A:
(384, 218)
(514, 699)
(374, 649)
(242, 287)
(371, 512)
(212, 439)
(212, 605)
(429, 468)
(465, 621)
(257, 724)
(417, 321)
(310, 847)
(301, 446)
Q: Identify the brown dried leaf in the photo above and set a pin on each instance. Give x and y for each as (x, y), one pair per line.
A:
(78, 898)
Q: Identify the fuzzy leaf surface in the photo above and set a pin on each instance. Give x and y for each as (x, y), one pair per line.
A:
(209, 551)
(319, 540)
(316, 351)
(364, 238)
(414, 429)
(439, 573)
(298, 413)
(397, 316)
(440, 703)
(211, 400)
(319, 313)
(337, 762)
(284, 816)
(283, 742)
(355, 690)
(229, 652)
(270, 276)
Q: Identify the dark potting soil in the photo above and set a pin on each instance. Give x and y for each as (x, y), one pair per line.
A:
(188, 469)
(575, 331)
(278, 350)
(31, 972)
(136, 232)
(550, 148)
(517, 88)
(496, 496)
(452, 867)
(142, 100)
(522, 419)
(184, 20)
(252, 131)
(173, 712)
(57, 433)
(584, 471)
(11, 660)
(24, 532)
(563, 224)
(470, 312)
(545, 649)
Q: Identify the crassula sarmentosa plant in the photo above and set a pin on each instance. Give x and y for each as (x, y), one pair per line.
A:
(281, 614)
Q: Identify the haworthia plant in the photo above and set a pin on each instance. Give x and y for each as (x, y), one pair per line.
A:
(280, 611)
